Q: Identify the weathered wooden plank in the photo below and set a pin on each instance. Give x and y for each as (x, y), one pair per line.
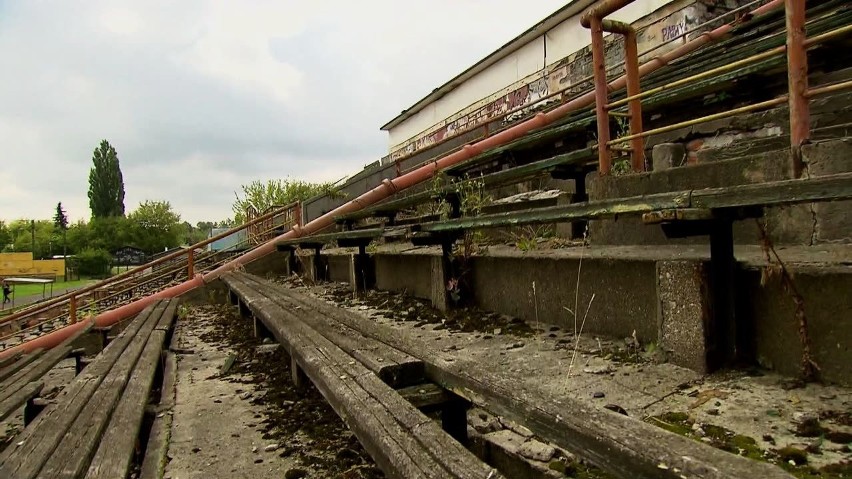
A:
(376, 430)
(40, 366)
(18, 365)
(26, 376)
(512, 175)
(334, 366)
(616, 443)
(154, 463)
(12, 402)
(118, 443)
(72, 456)
(5, 362)
(326, 238)
(38, 441)
(391, 365)
(777, 193)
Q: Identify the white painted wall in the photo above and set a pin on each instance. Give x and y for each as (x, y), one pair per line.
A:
(516, 66)
(563, 40)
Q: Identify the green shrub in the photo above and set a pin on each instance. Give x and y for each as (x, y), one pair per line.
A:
(92, 262)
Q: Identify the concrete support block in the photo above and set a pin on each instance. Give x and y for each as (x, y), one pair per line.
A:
(439, 286)
(354, 282)
(668, 155)
(683, 315)
(404, 273)
(831, 220)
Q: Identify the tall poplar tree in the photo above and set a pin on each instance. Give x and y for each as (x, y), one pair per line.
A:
(106, 185)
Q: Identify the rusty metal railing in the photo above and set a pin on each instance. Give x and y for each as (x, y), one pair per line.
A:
(797, 97)
(146, 279)
(264, 230)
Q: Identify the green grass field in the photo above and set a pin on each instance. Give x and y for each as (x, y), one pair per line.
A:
(22, 291)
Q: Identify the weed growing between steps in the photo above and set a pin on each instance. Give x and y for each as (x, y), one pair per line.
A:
(301, 423)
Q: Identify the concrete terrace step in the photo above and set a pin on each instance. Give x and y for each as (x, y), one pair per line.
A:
(658, 293)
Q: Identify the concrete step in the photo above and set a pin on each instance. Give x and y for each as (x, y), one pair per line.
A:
(660, 295)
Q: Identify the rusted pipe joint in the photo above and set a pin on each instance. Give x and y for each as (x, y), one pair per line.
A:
(614, 26)
(602, 9)
(389, 185)
(471, 150)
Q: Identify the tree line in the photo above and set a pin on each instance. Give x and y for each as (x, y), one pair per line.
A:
(152, 227)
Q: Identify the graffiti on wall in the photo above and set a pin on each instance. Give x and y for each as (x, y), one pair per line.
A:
(670, 32)
(569, 75)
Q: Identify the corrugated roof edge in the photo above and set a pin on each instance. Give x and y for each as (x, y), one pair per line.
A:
(570, 9)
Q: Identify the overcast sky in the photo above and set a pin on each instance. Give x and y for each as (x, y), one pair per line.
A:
(199, 97)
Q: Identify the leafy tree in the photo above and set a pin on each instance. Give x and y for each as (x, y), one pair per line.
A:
(106, 184)
(60, 219)
(275, 193)
(155, 227)
(78, 237)
(60, 222)
(5, 237)
(21, 233)
(109, 233)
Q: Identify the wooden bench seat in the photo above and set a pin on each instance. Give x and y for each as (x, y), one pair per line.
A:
(402, 440)
(91, 429)
(22, 380)
(623, 446)
(577, 160)
(394, 367)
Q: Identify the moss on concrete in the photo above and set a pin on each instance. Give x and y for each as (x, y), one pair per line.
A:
(791, 459)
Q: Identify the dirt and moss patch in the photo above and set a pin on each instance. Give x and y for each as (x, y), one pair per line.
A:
(301, 422)
(792, 459)
(401, 307)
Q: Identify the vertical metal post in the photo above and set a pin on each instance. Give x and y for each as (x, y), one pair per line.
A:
(724, 330)
(599, 68)
(190, 263)
(72, 309)
(797, 78)
(637, 145)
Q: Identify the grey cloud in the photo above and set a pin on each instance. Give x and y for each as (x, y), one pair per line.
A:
(192, 136)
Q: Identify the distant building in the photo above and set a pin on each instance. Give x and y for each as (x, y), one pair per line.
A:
(236, 241)
(129, 256)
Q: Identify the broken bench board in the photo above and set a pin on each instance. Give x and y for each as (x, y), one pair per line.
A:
(154, 463)
(777, 193)
(25, 383)
(22, 361)
(118, 443)
(404, 442)
(394, 367)
(500, 178)
(621, 445)
(62, 439)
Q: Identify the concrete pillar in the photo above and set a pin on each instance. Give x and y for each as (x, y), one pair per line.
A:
(683, 313)
(439, 284)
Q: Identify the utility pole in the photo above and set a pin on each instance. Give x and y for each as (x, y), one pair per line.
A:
(32, 230)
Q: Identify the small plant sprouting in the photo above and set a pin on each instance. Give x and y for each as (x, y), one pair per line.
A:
(527, 238)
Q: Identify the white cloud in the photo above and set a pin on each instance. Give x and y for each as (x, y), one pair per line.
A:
(199, 97)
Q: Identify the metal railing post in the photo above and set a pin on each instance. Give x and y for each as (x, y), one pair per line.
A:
(637, 145)
(797, 78)
(190, 263)
(601, 87)
(72, 309)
